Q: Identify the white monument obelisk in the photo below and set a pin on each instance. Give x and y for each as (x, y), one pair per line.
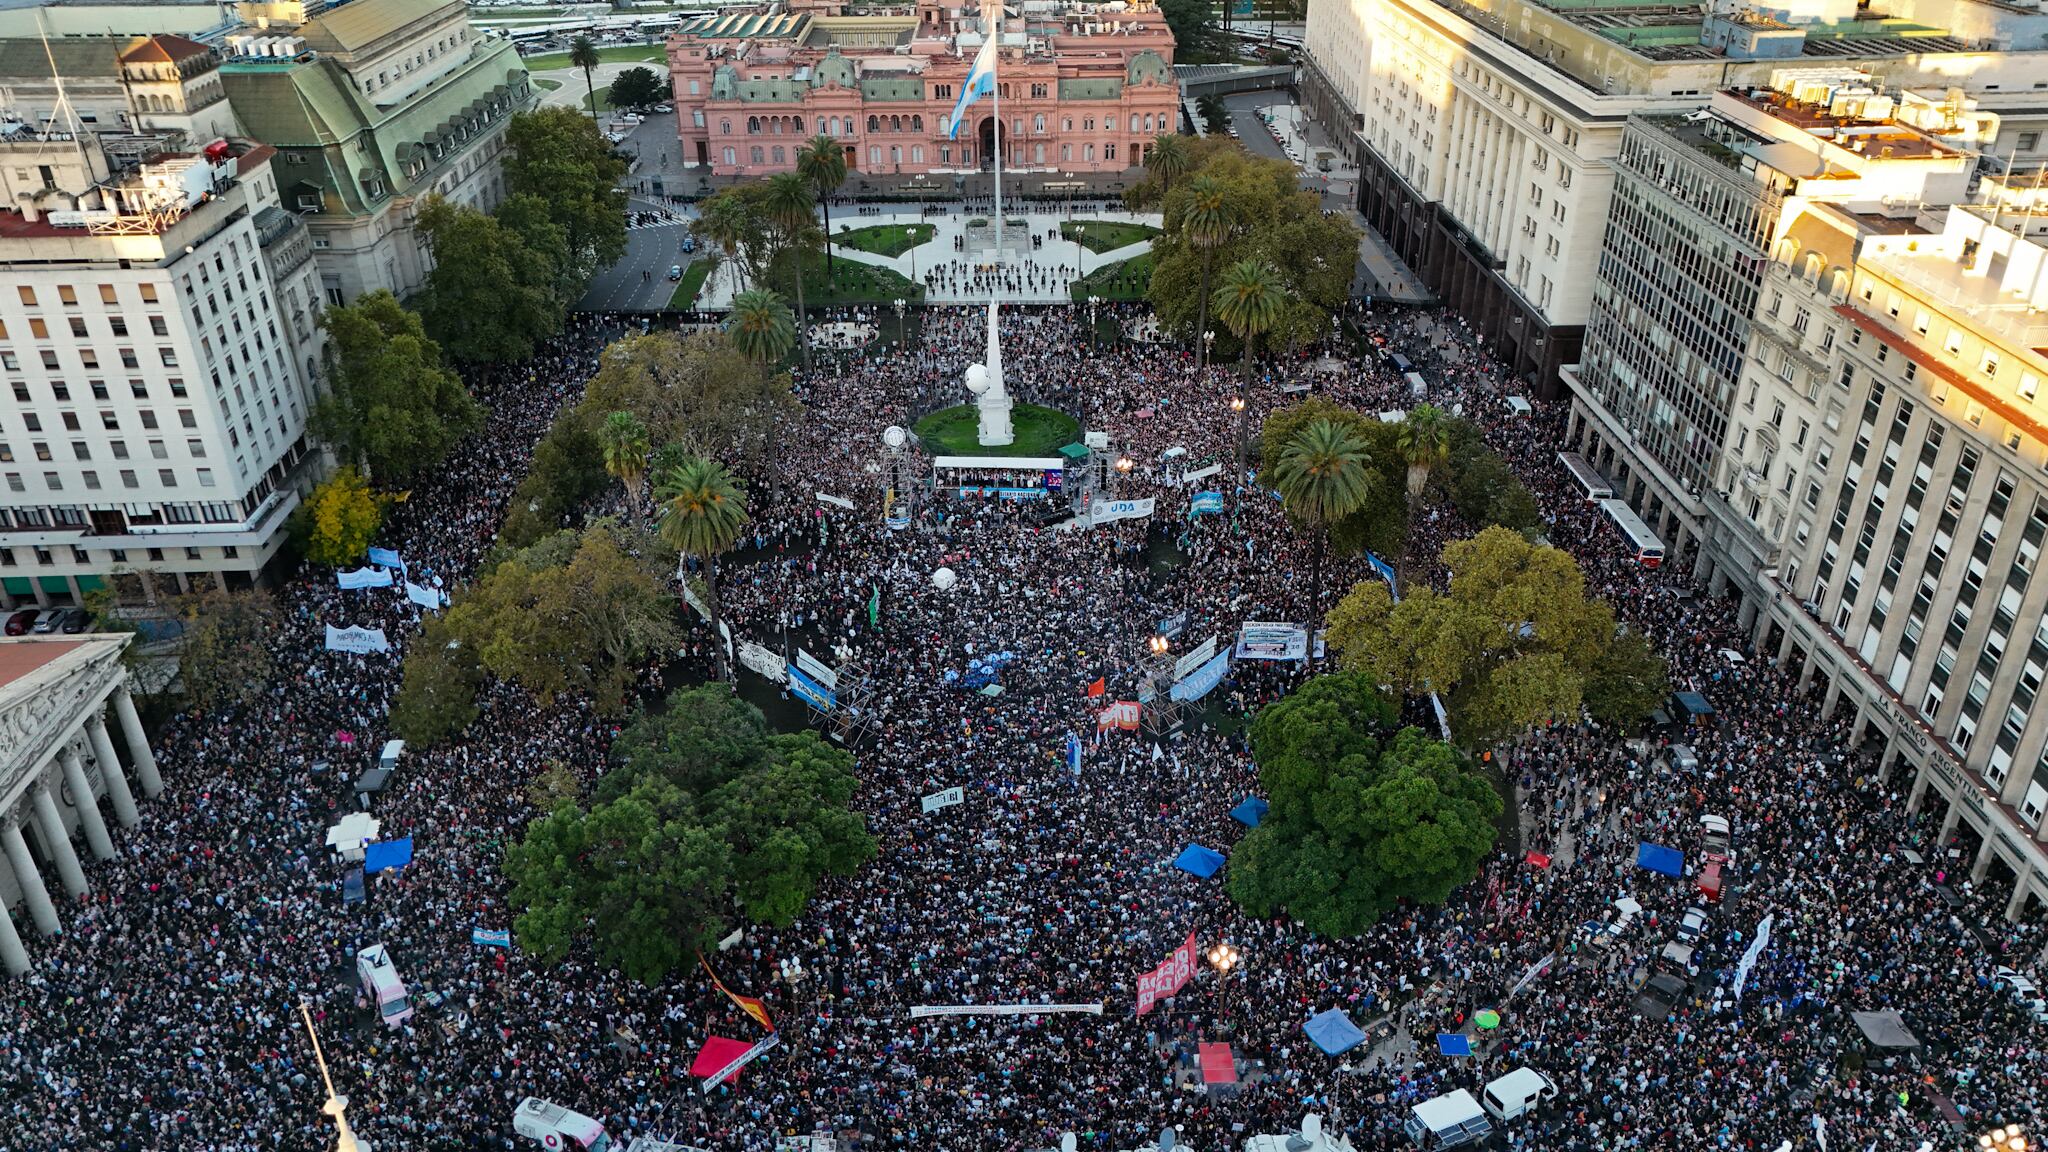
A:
(985, 380)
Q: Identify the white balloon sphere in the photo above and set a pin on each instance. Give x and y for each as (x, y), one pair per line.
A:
(894, 436)
(977, 378)
(944, 579)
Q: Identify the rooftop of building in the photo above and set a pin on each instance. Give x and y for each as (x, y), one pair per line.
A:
(22, 655)
(1861, 124)
(165, 49)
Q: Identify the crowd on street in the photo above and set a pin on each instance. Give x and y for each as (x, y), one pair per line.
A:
(166, 1015)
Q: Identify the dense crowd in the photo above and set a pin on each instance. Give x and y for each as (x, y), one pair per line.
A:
(165, 1017)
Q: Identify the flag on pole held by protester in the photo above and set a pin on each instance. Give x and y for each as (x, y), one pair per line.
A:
(1100, 687)
(1073, 754)
(875, 606)
(751, 1005)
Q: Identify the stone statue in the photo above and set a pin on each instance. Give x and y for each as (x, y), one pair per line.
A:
(985, 383)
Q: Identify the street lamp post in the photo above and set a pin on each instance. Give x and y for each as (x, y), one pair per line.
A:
(1243, 410)
(1223, 957)
(2007, 1139)
(1094, 337)
(1078, 249)
(1208, 339)
(1124, 464)
(899, 324)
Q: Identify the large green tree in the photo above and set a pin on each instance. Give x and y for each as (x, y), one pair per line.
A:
(706, 818)
(790, 204)
(392, 408)
(701, 391)
(625, 455)
(437, 688)
(1363, 814)
(1627, 683)
(1482, 487)
(562, 160)
(1313, 256)
(224, 645)
(1207, 219)
(1381, 524)
(1510, 645)
(489, 298)
(339, 521)
(1250, 303)
(583, 54)
(1425, 439)
(822, 162)
(637, 88)
(761, 325)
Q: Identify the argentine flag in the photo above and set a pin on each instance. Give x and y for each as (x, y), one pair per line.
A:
(981, 80)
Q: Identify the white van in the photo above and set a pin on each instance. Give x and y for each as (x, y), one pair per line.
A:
(1447, 1121)
(1684, 759)
(557, 1129)
(1517, 1093)
(381, 984)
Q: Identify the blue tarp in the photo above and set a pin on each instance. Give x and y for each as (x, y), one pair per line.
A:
(1657, 858)
(1334, 1032)
(387, 854)
(1693, 703)
(1453, 1044)
(1203, 862)
(352, 886)
(1250, 812)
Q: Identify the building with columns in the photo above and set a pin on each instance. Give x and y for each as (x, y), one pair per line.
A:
(65, 716)
(1084, 87)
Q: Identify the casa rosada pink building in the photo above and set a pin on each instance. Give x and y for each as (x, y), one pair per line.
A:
(1084, 87)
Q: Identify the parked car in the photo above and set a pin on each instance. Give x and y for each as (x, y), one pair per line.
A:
(19, 623)
(2023, 991)
(47, 622)
(1693, 927)
(75, 620)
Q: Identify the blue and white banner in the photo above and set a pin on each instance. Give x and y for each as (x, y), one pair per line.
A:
(1198, 656)
(945, 798)
(1073, 754)
(491, 937)
(815, 694)
(357, 640)
(1386, 572)
(386, 558)
(425, 597)
(1202, 502)
(1264, 640)
(1202, 680)
(1752, 955)
(363, 578)
(1105, 511)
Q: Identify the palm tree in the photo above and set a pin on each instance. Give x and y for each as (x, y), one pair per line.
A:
(1249, 303)
(823, 163)
(624, 439)
(789, 202)
(1323, 475)
(1425, 441)
(1169, 158)
(583, 54)
(1207, 219)
(702, 511)
(761, 326)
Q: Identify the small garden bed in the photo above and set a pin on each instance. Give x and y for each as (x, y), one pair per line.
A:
(1106, 235)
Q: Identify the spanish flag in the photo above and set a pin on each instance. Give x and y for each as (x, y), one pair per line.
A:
(751, 1005)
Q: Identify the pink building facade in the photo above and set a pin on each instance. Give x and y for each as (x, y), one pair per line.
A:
(1083, 90)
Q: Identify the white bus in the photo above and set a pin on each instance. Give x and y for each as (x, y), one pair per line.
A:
(1649, 550)
(1589, 479)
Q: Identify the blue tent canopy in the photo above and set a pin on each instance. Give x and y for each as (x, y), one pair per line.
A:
(1453, 1044)
(1693, 703)
(1334, 1032)
(1657, 858)
(387, 854)
(1203, 862)
(1250, 812)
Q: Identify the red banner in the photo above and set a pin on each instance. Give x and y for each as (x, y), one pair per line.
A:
(1099, 687)
(1122, 714)
(1167, 979)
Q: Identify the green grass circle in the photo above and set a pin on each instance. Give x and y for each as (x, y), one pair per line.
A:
(1040, 432)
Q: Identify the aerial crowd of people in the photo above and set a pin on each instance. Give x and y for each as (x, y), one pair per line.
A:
(166, 1016)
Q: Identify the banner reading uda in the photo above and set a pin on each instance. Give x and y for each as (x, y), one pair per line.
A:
(1165, 980)
(1104, 511)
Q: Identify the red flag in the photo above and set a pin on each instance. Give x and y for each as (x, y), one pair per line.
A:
(1536, 859)
(751, 1005)
(1099, 687)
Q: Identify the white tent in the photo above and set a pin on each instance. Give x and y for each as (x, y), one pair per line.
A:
(348, 836)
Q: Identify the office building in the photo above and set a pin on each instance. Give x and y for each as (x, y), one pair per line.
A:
(1487, 133)
(1085, 87)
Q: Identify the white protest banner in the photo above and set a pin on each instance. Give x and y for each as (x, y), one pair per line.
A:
(691, 598)
(1106, 511)
(1200, 473)
(945, 799)
(386, 558)
(741, 1061)
(1754, 953)
(1534, 971)
(425, 597)
(835, 501)
(363, 578)
(357, 640)
(1265, 640)
(815, 668)
(1165, 980)
(763, 660)
(920, 1011)
(1194, 659)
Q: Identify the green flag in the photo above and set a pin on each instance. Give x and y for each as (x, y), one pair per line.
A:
(875, 606)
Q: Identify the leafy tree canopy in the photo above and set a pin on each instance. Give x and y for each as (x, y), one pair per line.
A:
(490, 297)
(393, 408)
(638, 88)
(1482, 487)
(560, 158)
(1381, 525)
(224, 647)
(1511, 645)
(339, 520)
(707, 817)
(1277, 222)
(1363, 815)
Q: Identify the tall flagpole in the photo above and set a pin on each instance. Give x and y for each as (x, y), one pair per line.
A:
(995, 9)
